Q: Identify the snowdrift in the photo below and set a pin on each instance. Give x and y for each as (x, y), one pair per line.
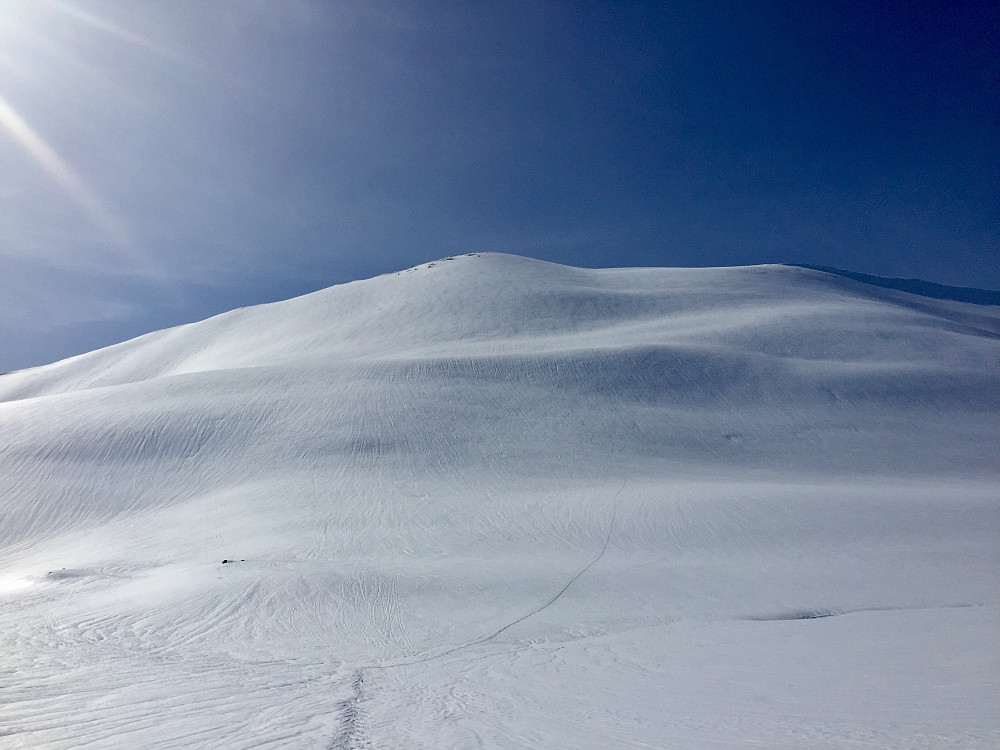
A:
(495, 502)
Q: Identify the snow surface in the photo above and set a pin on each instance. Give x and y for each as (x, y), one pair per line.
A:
(491, 502)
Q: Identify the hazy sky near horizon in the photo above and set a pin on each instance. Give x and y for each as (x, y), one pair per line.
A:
(165, 160)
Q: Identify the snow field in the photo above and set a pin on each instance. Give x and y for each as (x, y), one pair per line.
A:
(497, 503)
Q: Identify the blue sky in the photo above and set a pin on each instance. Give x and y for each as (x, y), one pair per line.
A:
(166, 160)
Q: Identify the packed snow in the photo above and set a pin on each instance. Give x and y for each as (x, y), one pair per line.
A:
(491, 502)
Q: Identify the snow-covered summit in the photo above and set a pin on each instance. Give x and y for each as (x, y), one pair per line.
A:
(483, 304)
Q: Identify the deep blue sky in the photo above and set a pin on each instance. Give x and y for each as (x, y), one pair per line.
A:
(164, 160)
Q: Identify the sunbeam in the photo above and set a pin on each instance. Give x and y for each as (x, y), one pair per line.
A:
(102, 24)
(37, 58)
(72, 185)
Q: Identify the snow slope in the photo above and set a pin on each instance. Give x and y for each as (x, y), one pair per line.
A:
(492, 502)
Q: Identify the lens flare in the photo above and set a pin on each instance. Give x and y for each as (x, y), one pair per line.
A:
(102, 24)
(33, 53)
(74, 187)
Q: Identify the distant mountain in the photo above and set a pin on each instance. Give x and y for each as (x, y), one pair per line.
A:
(916, 286)
(496, 502)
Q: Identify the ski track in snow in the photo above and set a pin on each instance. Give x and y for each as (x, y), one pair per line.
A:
(417, 484)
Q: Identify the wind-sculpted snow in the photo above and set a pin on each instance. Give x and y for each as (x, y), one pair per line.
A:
(496, 503)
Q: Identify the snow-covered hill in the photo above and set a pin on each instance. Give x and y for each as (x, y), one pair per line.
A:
(492, 502)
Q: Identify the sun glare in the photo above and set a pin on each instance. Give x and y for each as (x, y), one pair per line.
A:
(29, 58)
(102, 24)
(56, 167)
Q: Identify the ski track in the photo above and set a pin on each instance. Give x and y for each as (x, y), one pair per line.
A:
(418, 482)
